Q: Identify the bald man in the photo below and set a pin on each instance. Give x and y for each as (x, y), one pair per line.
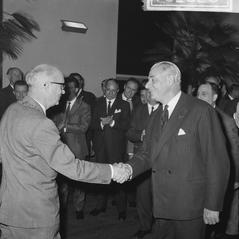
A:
(185, 147)
(32, 154)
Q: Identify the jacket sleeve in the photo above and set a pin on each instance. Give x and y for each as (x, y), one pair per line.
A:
(215, 157)
(47, 141)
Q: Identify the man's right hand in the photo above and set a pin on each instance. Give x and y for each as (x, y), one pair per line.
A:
(121, 172)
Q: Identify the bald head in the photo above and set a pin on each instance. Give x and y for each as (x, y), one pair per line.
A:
(14, 74)
(46, 84)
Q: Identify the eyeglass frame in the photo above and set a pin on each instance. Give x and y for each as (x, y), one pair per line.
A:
(58, 83)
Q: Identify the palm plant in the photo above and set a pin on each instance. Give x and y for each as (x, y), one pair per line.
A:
(199, 43)
(16, 29)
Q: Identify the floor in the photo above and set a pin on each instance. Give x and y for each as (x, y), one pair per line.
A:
(103, 226)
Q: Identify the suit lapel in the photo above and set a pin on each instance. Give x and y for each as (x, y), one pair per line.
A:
(75, 106)
(171, 127)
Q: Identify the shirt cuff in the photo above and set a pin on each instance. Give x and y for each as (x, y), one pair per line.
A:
(112, 171)
(112, 124)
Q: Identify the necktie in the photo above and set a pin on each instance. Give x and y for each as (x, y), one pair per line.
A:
(130, 104)
(108, 107)
(164, 116)
(67, 111)
(152, 110)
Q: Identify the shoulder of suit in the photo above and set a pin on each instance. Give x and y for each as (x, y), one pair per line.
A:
(89, 94)
(193, 102)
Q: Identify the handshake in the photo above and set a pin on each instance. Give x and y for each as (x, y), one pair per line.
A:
(121, 172)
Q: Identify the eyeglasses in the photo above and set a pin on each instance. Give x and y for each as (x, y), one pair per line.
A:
(58, 83)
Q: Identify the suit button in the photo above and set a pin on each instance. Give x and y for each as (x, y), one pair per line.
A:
(153, 171)
(169, 172)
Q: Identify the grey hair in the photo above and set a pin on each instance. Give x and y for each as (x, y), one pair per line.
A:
(168, 66)
(43, 69)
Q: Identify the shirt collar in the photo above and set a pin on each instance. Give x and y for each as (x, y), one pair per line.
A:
(172, 103)
(150, 107)
(111, 101)
(125, 98)
(42, 106)
(78, 93)
(72, 102)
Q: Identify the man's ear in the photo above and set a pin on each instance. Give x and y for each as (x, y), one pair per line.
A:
(77, 90)
(215, 97)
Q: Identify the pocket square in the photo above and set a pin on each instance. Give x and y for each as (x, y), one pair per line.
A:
(117, 111)
(181, 132)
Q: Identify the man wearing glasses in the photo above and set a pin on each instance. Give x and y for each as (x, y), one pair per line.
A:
(32, 154)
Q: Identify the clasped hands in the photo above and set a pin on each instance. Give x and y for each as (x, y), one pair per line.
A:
(121, 172)
(107, 120)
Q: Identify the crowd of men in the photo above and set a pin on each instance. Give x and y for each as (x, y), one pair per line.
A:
(172, 154)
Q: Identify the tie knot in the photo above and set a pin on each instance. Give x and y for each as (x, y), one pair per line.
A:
(165, 108)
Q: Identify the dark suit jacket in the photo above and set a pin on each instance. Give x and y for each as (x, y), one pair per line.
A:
(231, 133)
(77, 124)
(189, 161)
(32, 154)
(6, 98)
(110, 142)
(135, 100)
(88, 98)
(227, 105)
(138, 123)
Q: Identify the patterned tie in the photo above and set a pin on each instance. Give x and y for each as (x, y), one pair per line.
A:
(164, 117)
(108, 107)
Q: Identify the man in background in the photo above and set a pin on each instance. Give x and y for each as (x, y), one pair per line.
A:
(110, 123)
(73, 123)
(230, 220)
(7, 96)
(20, 89)
(90, 99)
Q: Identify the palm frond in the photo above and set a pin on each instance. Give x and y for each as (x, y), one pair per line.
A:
(15, 30)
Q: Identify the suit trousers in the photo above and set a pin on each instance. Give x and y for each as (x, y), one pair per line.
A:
(9, 232)
(144, 201)
(113, 189)
(179, 229)
(65, 187)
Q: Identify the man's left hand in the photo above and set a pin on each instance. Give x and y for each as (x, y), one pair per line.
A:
(210, 217)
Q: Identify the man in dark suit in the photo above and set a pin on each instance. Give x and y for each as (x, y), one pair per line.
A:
(185, 147)
(73, 123)
(90, 99)
(31, 153)
(110, 122)
(7, 96)
(229, 101)
(135, 134)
